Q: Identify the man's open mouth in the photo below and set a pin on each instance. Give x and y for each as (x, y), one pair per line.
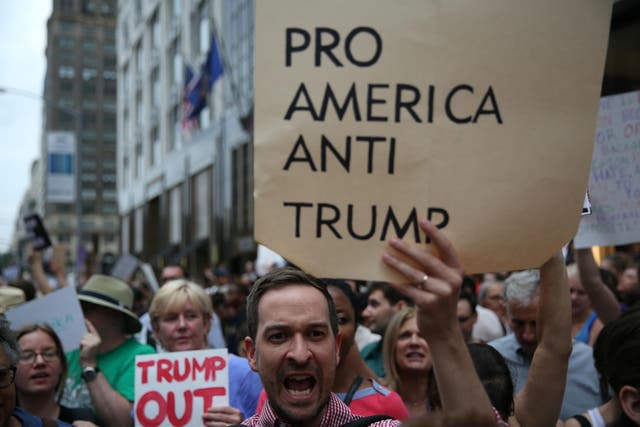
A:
(299, 385)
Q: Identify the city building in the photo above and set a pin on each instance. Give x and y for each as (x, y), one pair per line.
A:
(185, 192)
(80, 98)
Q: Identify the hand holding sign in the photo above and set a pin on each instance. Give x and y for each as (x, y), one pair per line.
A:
(89, 346)
(221, 416)
(433, 282)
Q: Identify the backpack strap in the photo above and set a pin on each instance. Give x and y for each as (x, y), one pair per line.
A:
(366, 421)
(582, 420)
(352, 390)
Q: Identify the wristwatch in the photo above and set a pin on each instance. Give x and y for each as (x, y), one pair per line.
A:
(90, 373)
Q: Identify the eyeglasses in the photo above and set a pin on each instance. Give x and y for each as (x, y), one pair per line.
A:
(28, 357)
(7, 375)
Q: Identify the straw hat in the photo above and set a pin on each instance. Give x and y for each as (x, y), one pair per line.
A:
(109, 292)
(10, 297)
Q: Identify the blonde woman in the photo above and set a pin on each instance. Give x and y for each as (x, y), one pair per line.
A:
(407, 361)
(180, 315)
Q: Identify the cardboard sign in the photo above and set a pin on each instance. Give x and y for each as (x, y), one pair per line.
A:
(370, 115)
(175, 389)
(614, 180)
(36, 232)
(60, 309)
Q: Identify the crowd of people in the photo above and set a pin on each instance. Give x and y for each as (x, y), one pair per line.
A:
(558, 345)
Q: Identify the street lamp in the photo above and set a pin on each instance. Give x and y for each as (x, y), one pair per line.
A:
(77, 116)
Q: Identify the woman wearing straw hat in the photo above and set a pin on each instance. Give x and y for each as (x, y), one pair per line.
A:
(101, 371)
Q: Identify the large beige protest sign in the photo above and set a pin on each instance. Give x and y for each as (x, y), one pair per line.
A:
(614, 179)
(370, 115)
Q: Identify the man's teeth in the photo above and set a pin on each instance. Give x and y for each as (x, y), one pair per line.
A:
(299, 392)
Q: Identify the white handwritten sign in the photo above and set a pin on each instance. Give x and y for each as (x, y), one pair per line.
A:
(614, 180)
(60, 309)
(175, 389)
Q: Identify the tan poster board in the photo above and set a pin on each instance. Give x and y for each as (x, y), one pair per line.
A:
(370, 114)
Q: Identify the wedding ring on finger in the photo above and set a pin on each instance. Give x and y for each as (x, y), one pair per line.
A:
(423, 283)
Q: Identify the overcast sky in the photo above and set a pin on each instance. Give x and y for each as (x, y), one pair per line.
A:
(23, 38)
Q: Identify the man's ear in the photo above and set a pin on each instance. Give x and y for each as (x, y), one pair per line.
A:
(338, 344)
(629, 397)
(250, 348)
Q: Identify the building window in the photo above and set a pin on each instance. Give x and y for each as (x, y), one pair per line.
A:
(139, 118)
(89, 104)
(66, 43)
(109, 106)
(89, 7)
(177, 69)
(175, 123)
(89, 88)
(89, 120)
(89, 60)
(124, 30)
(109, 208)
(109, 165)
(239, 47)
(242, 176)
(88, 165)
(109, 47)
(88, 149)
(125, 170)
(110, 88)
(155, 31)
(109, 195)
(139, 60)
(66, 72)
(88, 208)
(175, 215)
(110, 63)
(66, 6)
(88, 194)
(88, 177)
(66, 86)
(139, 161)
(89, 73)
(108, 136)
(155, 87)
(205, 31)
(154, 151)
(138, 10)
(89, 45)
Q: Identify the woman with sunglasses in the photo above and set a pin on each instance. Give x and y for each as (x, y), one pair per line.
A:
(10, 414)
(41, 373)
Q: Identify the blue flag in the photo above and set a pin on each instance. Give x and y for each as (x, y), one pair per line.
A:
(195, 97)
(212, 68)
